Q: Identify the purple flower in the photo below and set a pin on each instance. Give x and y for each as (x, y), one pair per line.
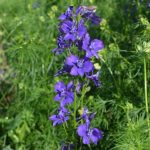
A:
(79, 87)
(88, 13)
(73, 30)
(94, 78)
(79, 66)
(61, 117)
(85, 131)
(89, 135)
(87, 116)
(92, 47)
(67, 147)
(148, 4)
(68, 14)
(64, 93)
(62, 44)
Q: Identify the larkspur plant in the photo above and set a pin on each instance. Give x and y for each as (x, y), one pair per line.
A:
(73, 33)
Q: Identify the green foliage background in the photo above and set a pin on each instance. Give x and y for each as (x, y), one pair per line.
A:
(28, 31)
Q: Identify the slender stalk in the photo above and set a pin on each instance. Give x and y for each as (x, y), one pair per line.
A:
(145, 93)
(75, 107)
(65, 130)
(111, 73)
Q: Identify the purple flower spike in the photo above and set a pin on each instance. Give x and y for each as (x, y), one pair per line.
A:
(68, 14)
(95, 78)
(79, 66)
(88, 134)
(64, 93)
(61, 117)
(93, 47)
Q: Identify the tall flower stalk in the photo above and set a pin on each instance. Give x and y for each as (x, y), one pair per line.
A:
(146, 96)
(74, 39)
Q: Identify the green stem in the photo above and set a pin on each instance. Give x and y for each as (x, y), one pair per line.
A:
(111, 73)
(82, 97)
(145, 93)
(75, 107)
(65, 129)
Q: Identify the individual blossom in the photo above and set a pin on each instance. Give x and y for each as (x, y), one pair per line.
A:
(89, 14)
(72, 30)
(92, 47)
(79, 66)
(64, 93)
(62, 116)
(89, 135)
(94, 78)
(67, 15)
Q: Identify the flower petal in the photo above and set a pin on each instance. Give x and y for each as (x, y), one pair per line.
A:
(80, 72)
(89, 54)
(88, 66)
(86, 140)
(68, 36)
(95, 135)
(81, 29)
(66, 26)
(57, 97)
(71, 60)
(53, 117)
(74, 71)
(86, 41)
(66, 101)
(70, 85)
(60, 86)
(96, 45)
(82, 129)
(62, 17)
